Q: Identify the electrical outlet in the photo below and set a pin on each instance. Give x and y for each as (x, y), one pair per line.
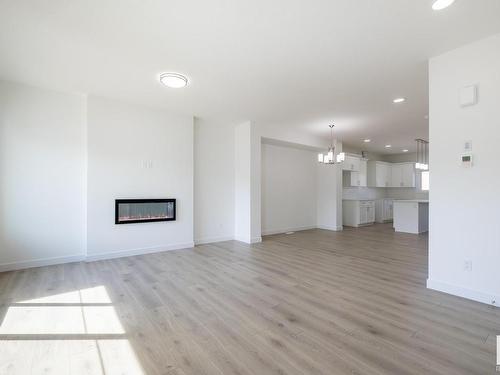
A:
(468, 266)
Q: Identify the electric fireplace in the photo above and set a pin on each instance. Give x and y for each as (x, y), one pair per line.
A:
(129, 211)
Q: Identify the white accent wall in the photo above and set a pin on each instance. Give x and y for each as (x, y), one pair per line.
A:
(464, 202)
(137, 152)
(289, 189)
(214, 180)
(65, 158)
(42, 179)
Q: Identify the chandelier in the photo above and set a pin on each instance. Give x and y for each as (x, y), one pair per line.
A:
(422, 162)
(330, 157)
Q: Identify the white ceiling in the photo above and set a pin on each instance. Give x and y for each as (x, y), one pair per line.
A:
(293, 63)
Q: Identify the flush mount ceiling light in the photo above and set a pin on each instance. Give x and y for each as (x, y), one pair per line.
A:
(367, 140)
(388, 146)
(330, 157)
(399, 100)
(441, 4)
(173, 80)
(405, 150)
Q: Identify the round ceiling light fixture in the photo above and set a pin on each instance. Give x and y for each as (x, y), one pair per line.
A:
(399, 100)
(173, 80)
(441, 4)
(405, 150)
(367, 140)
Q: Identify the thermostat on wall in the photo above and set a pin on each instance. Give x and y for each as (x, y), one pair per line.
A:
(467, 160)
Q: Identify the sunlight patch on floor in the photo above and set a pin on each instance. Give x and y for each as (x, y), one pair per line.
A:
(96, 294)
(50, 335)
(62, 357)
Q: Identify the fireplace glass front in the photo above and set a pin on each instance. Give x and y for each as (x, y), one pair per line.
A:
(128, 211)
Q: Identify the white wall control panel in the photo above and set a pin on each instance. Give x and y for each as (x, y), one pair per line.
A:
(468, 95)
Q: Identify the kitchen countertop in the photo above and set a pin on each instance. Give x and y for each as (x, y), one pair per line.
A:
(411, 200)
(360, 200)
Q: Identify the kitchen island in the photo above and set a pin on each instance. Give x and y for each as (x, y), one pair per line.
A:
(411, 216)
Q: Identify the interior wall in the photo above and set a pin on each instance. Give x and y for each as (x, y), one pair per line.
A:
(464, 251)
(214, 180)
(42, 174)
(242, 180)
(289, 189)
(137, 152)
(329, 195)
(107, 150)
(255, 184)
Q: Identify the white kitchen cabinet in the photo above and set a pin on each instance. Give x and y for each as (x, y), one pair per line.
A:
(351, 163)
(402, 175)
(357, 213)
(369, 206)
(379, 174)
(411, 216)
(408, 175)
(384, 210)
(360, 178)
(396, 172)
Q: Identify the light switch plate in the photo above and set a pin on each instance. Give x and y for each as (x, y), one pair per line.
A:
(468, 95)
(468, 146)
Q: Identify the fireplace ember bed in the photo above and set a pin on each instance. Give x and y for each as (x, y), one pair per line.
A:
(130, 211)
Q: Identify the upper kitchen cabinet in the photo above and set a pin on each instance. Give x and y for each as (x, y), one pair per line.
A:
(379, 174)
(403, 175)
(351, 163)
(360, 177)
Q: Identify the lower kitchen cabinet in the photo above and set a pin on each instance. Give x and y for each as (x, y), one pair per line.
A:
(358, 212)
(384, 210)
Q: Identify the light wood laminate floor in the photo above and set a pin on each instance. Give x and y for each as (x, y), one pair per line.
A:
(314, 302)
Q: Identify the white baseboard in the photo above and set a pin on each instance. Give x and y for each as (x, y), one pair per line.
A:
(202, 241)
(335, 229)
(41, 262)
(280, 231)
(249, 240)
(456, 290)
(140, 251)
(90, 258)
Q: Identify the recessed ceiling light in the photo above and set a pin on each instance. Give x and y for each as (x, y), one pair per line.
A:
(367, 140)
(441, 4)
(405, 150)
(399, 100)
(173, 80)
(388, 146)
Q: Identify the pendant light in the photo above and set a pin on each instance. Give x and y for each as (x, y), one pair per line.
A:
(330, 157)
(422, 162)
